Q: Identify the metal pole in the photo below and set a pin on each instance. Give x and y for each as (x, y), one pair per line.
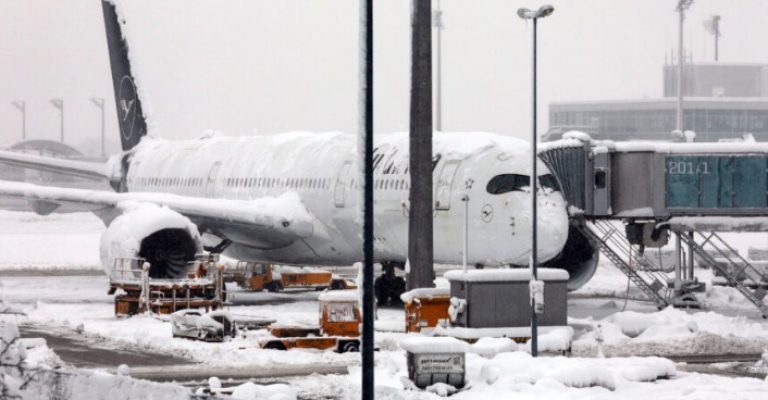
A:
(366, 12)
(690, 255)
(465, 199)
(679, 122)
(21, 105)
(62, 120)
(678, 262)
(439, 89)
(103, 136)
(533, 185)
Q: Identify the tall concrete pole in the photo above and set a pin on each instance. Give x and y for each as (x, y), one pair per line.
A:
(420, 239)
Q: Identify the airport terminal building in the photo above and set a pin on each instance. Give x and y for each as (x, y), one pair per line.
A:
(722, 102)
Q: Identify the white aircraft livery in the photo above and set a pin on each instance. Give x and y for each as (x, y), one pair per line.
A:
(294, 198)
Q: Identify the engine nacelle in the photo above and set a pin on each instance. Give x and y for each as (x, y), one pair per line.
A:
(165, 238)
(579, 257)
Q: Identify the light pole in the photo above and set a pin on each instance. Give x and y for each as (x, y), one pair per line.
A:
(59, 104)
(682, 5)
(99, 102)
(713, 27)
(21, 105)
(437, 22)
(525, 13)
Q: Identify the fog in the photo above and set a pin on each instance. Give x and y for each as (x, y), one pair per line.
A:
(269, 66)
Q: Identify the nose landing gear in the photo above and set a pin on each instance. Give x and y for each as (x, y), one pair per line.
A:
(388, 287)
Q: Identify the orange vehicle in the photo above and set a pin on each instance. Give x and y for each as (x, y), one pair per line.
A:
(425, 307)
(259, 276)
(339, 327)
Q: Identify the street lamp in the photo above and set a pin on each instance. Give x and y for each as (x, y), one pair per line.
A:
(21, 105)
(99, 102)
(59, 104)
(682, 5)
(525, 13)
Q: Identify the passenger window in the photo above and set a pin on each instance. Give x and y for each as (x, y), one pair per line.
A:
(600, 179)
(507, 182)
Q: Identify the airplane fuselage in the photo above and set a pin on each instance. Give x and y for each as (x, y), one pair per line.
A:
(322, 170)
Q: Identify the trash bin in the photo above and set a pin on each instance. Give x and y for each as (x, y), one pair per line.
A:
(436, 360)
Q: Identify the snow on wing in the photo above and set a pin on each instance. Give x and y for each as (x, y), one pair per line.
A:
(275, 221)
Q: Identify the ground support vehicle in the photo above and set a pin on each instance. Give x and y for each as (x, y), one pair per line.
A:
(425, 308)
(136, 292)
(339, 327)
(210, 327)
(260, 276)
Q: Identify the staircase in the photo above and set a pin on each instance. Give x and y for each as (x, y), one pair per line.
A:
(730, 264)
(641, 272)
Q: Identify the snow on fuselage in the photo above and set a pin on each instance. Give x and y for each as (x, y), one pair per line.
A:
(322, 170)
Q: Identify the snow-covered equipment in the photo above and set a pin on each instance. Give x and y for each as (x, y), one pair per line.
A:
(198, 285)
(433, 360)
(497, 303)
(211, 327)
(425, 308)
(338, 329)
(260, 276)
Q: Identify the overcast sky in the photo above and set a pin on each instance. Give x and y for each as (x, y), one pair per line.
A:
(269, 66)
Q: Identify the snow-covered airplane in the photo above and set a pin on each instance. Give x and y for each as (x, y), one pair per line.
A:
(294, 198)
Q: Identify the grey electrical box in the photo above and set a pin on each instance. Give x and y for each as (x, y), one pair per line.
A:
(495, 298)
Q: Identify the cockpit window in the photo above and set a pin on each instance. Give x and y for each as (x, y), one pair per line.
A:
(507, 182)
(548, 181)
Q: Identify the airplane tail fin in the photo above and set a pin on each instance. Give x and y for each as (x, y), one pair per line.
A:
(131, 121)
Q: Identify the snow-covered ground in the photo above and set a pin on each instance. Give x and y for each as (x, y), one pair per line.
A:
(81, 303)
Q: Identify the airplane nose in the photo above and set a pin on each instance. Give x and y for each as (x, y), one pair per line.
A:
(551, 226)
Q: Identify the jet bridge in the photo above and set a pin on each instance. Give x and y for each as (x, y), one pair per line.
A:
(691, 191)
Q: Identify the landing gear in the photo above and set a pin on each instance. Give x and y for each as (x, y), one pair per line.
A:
(388, 287)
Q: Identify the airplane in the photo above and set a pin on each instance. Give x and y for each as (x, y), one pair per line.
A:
(294, 198)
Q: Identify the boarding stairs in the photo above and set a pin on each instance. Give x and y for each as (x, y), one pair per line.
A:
(640, 271)
(738, 272)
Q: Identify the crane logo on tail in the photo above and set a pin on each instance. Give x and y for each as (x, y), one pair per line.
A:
(128, 108)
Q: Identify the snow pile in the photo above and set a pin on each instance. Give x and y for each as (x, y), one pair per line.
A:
(507, 370)
(425, 344)
(556, 340)
(674, 332)
(252, 391)
(425, 293)
(506, 275)
(489, 347)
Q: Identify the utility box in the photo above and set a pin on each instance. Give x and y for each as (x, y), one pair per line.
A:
(425, 307)
(436, 360)
(495, 298)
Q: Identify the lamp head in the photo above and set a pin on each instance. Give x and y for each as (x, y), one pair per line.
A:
(544, 11)
(524, 13)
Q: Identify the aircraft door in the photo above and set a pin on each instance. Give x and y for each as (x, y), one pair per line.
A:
(210, 183)
(340, 186)
(444, 184)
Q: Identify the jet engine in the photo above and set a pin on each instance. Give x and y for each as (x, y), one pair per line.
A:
(579, 257)
(161, 236)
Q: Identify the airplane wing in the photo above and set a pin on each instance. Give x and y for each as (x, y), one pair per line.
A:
(273, 221)
(82, 169)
